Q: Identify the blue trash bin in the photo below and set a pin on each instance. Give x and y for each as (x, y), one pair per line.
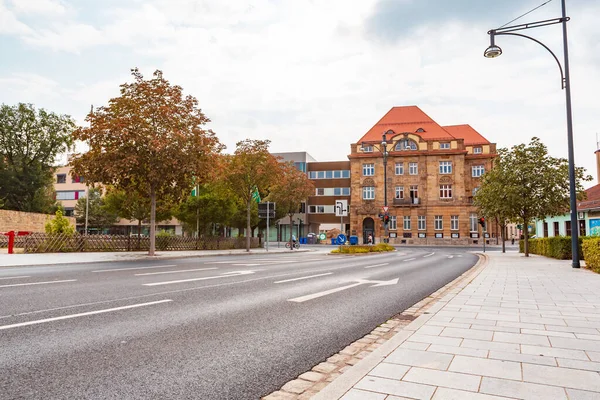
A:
(333, 240)
(303, 240)
(353, 240)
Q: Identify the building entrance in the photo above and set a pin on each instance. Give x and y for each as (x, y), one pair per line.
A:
(368, 229)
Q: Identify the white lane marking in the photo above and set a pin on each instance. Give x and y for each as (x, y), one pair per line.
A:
(450, 256)
(304, 277)
(409, 259)
(244, 265)
(37, 283)
(224, 275)
(174, 272)
(308, 297)
(428, 255)
(376, 265)
(41, 321)
(131, 269)
(16, 277)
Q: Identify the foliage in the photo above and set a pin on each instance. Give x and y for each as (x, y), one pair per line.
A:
(30, 141)
(134, 206)
(558, 247)
(99, 216)
(291, 188)
(213, 206)
(150, 140)
(526, 183)
(250, 167)
(162, 239)
(59, 224)
(591, 252)
(378, 248)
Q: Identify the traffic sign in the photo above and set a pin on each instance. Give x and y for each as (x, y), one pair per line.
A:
(385, 209)
(341, 208)
(341, 239)
(322, 236)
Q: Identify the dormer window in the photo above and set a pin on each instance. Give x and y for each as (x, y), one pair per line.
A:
(405, 144)
(420, 130)
(444, 146)
(477, 150)
(367, 149)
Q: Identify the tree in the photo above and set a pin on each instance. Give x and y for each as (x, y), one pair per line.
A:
(59, 224)
(251, 168)
(133, 206)
(526, 183)
(292, 187)
(30, 141)
(150, 140)
(98, 215)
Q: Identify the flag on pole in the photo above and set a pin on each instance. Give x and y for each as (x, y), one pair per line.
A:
(256, 195)
(195, 189)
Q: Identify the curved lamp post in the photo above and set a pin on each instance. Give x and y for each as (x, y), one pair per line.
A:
(383, 149)
(494, 51)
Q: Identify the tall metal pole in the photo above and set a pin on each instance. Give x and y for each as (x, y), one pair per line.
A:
(267, 239)
(385, 222)
(87, 187)
(572, 182)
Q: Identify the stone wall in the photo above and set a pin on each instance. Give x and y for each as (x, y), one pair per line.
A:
(25, 221)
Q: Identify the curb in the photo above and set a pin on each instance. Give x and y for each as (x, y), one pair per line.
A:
(339, 373)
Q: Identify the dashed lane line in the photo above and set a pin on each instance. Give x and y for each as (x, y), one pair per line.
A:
(37, 283)
(16, 277)
(376, 265)
(175, 272)
(303, 277)
(134, 268)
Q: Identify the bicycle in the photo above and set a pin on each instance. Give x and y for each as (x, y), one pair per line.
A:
(296, 245)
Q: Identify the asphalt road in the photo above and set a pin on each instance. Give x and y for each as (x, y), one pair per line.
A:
(230, 327)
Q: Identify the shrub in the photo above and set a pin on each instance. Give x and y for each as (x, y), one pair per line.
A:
(59, 224)
(558, 247)
(591, 251)
(364, 249)
(163, 238)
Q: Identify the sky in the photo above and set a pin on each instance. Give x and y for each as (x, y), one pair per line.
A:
(314, 75)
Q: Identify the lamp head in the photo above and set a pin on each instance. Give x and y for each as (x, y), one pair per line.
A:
(492, 51)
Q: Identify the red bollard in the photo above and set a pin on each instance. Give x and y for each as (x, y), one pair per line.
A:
(11, 241)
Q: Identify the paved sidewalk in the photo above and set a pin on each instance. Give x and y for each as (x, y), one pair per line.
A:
(524, 328)
(13, 260)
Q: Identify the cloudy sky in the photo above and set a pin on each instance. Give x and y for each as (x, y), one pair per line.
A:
(313, 75)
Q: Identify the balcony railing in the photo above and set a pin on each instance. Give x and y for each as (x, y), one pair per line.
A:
(408, 202)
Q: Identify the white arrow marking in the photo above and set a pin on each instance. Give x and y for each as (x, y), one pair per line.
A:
(302, 299)
(225, 275)
(304, 277)
(175, 272)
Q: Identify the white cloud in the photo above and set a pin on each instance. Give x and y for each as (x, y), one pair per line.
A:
(42, 7)
(9, 24)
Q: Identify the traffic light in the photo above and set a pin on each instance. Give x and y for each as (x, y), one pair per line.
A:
(386, 219)
(482, 221)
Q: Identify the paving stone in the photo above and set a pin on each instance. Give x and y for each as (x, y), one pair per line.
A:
(356, 394)
(473, 321)
(414, 345)
(577, 344)
(325, 368)
(312, 376)
(527, 358)
(569, 378)
(521, 390)
(521, 325)
(578, 364)
(448, 324)
(297, 386)
(497, 317)
(458, 350)
(575, 394)
(418, 358)
(485, 345)
(453, 394)
(279, 395)
(443, 378)
(554, 352)
(397, 388)
(390, 371)
(496, 328)
(429, 330)
(467, 333)
(587, 336)
(547, 333)
(436, 340)
(486, 367)
(520, 338)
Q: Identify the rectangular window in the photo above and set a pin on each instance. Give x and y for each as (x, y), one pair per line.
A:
(312, 209)
(337, 191)
(77, 179)
(399, 192)
(368, 193)
(444, 146)
(556, 231)
(61, 178)
(473, 222)
(320, 191)
(414, 191)
(320, 174)
(454, 222)
(567, 228)
(413, 168)
(345, 173)
(407, 223)
(393, 224)
(312, 175)
(445, 191)
(477, 150)
(66, 195)
(399, 168)
(368, 169)
(421, 223)
(445, 167)
(545, 224)
(477, 171)
(367, 149)
(438, 222)
(337, 174)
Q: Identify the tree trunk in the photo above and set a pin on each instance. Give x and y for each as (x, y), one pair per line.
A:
(152, 221)
(503, 230)
(139, 244)
(248, 207)
(291, 231)
(526, 237)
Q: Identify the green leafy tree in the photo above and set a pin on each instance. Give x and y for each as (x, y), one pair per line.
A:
(250, 168)
(526, 183)
(30, 141)
(98, 216)
(59, 224)
(150, 140)
(292, 188)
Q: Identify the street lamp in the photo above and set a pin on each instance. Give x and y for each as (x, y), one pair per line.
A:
(384, 152)
(494, 51)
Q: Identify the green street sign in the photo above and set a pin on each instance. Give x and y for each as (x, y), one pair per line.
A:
(322, 236)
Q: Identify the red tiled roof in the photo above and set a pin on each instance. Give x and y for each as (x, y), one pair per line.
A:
(592, 200)
(406, 119)
(466, 132)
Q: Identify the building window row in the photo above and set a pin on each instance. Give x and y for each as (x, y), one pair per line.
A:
(336, 174)
(422, 222)
(340, 191)
(413, 168)
(70, 194)
(444, 146)
(62, 178)
(329, 209)
(413, 191)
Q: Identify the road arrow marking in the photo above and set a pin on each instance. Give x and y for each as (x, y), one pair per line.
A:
(359, 282)
(304, 277)
(428, 255)
(224, 275)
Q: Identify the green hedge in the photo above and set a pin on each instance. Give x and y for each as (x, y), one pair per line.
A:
(556, 247)
(591, 251)
(364, 249)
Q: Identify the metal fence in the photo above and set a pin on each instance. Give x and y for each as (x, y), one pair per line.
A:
(59, 243)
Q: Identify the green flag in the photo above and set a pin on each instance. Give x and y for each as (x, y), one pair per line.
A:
(256, 195)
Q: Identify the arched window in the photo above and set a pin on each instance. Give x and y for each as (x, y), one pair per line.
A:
(405, 144)
(420, 130)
